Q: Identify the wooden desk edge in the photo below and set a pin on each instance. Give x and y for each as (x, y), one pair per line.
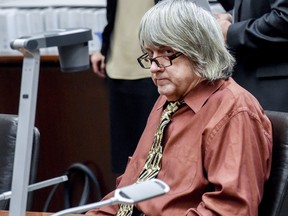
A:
(19, 58)
(6, 213)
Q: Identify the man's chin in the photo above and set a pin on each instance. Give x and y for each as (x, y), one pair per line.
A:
(164, 91)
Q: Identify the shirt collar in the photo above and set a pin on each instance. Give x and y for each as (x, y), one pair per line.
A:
(198, 96)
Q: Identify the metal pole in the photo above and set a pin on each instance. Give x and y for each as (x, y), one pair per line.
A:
(24, 138)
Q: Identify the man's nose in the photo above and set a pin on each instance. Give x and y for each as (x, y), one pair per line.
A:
(155, 67)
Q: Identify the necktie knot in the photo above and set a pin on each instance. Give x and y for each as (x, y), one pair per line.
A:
(173, 106)
(170, 109)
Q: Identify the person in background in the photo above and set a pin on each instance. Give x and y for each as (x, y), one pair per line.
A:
(212, 145)
(257, 35)
(131, 90)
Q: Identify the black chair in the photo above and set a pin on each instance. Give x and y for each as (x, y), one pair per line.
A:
(8, 132)
(275, 199)
(81, 188)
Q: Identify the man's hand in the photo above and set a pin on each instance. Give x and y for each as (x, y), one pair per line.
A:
(98, 64)
(224, 20)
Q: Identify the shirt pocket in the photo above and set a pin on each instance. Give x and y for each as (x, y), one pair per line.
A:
(179, 175)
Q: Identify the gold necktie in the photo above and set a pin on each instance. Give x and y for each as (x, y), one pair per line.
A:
(153, 162)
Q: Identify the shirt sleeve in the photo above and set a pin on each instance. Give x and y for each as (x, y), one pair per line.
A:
(237, 162)
(106, 34)
(106, 210)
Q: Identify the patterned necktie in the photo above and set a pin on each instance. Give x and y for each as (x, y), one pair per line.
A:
(153, 162)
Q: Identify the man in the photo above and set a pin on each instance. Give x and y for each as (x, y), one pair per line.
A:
(206, 137)
(258, 37)
(131, 90)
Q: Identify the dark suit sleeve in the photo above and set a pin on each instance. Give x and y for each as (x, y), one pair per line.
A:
(227, 4)
(267, 32)
(106, 35)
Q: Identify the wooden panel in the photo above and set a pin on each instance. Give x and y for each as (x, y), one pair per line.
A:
(72, 117)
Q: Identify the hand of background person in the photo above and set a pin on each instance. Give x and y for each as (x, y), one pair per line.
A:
(98, 64)
(224, 20)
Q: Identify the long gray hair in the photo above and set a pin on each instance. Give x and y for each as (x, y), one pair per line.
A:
(191, 30)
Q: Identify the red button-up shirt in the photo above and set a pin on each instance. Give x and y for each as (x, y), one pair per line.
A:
(216, 157)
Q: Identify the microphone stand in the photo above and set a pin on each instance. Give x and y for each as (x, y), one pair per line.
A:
(36, 186)
(80, 209)
(126, 195)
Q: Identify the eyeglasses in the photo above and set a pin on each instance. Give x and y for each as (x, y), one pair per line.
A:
(162, 61)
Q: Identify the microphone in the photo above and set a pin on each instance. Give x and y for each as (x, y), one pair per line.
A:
(126, 195)
(36, 186)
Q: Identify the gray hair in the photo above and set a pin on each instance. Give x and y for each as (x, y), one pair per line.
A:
(191, 30)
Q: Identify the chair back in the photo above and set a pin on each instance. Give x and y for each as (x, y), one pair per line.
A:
(80, 176)
(275, 198)
(8, 132)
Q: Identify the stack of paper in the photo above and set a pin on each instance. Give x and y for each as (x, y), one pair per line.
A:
(18, 22)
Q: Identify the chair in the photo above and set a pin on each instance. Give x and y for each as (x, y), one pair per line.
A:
(80, 176)
(275, 198)
(8, 132)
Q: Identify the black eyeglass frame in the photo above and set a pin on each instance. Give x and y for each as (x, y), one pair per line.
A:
(145, 55)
